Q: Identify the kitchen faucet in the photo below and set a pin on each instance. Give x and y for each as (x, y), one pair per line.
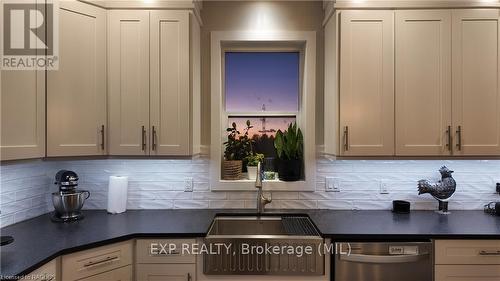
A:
(262, 201)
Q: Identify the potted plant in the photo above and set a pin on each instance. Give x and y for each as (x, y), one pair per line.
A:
(237, 148)
(289, 147)
(252, 162)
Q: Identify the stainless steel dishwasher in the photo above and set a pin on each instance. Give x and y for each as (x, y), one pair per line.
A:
(383, 261)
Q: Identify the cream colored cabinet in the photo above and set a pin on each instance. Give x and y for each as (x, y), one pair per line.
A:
(367, 83)
(467, 260)
(95, 261)
(476, 82)
(47, 272)
(166, 272)
(170, 83)
(423, 82)
(154, 82)
(76, 93)
(119, 274)
(128, 82)
(22, 114)
(156, 261)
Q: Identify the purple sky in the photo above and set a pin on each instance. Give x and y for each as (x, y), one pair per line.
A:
(256, 78)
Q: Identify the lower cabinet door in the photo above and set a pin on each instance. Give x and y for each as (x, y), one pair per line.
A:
(119, 274)
(467, 273)
(165, 272)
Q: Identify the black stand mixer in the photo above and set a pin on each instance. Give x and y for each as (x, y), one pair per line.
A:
(68, 201)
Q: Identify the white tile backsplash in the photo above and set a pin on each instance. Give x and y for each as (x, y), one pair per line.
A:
(159, 184)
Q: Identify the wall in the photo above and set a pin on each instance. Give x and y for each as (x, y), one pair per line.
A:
(255, 16)
(159, 184)
(24, 189)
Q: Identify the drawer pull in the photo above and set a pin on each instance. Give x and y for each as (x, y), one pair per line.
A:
(165, 253)
(489, 253)
(106, 260)
(189, 277)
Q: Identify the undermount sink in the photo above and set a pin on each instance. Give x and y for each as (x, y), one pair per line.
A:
(271, 231)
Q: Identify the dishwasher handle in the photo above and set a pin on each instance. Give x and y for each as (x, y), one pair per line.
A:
(383, 258)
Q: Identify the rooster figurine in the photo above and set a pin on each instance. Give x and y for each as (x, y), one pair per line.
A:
(442, 190)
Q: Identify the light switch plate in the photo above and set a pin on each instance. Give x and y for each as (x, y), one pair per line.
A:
(188, 185)
(384, 188)
(332, 184)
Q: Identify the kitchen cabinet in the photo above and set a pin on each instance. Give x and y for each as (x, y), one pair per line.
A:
(423, 82)
(154, 82)
(99, 260)
(76, 93)
(128, 82)
(47, 272)
(166, 272)
(120, 274)
(476, 82)
(22, 114)
(153, 262)
(467, 260)
(367, 83)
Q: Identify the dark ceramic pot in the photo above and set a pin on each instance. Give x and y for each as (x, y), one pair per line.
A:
(289, 170)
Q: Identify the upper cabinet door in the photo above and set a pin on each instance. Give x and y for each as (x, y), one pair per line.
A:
(367, 83)
(128, 82)
(476, 82)
(170, 83)
(76, 93)
(22, 111)
(423, 82)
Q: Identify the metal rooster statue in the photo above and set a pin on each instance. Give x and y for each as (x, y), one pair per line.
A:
(442, 190)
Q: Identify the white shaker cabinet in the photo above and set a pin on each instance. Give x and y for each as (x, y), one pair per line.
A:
(22, 111)
(76, 93)
(128, 82)
(170, 83)
(476, 82)
(367, 83)
(154, 82)
(423, 83)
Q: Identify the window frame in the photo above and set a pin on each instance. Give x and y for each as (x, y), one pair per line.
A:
(303, 42)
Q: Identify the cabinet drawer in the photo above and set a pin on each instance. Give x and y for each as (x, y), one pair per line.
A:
(164, 251)
(166, 272)
(467, 251)
(119, 274)
(94, 261)
(467, 273)
(47, 272)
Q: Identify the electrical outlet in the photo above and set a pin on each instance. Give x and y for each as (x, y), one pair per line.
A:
(188, 185)
(384, 188)
(332, 184)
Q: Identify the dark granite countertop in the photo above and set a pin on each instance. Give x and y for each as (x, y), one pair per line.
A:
(39, 240)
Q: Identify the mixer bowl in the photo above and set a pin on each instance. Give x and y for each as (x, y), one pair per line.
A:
(68, 205)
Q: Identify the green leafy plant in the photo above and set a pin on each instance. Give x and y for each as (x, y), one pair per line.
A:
(289, 145)
(254, 159)
(238, 146)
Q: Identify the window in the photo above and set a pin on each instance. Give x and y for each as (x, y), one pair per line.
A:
(269, 78)
(264, 88)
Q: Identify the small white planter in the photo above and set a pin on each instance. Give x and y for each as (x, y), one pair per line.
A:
(252, 172)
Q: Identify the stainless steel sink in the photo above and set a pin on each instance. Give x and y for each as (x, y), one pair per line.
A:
(246, 226)
(261, 232)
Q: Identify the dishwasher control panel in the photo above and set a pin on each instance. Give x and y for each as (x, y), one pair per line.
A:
(403, 250)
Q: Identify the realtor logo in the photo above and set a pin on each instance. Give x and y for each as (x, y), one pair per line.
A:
(30, 35)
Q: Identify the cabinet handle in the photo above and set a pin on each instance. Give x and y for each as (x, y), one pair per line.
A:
(143, 132)
(346, 138)
(189, 277)
(459, 138)
(153, 138)
(448, 144)
(105, 260)
(489, 253)
(102, 137)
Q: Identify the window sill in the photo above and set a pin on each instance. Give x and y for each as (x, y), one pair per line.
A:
(268, 185)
